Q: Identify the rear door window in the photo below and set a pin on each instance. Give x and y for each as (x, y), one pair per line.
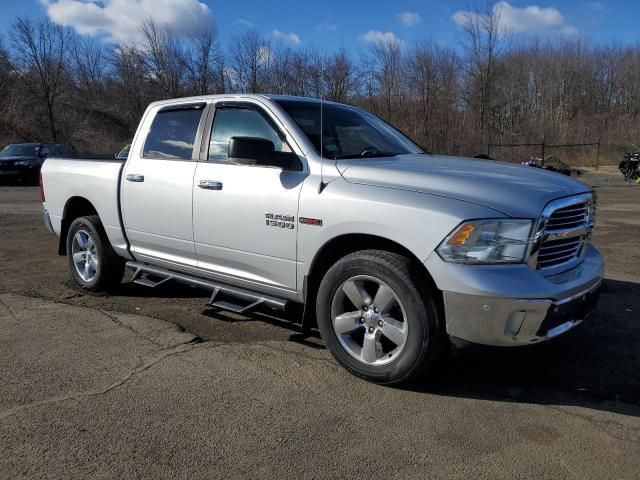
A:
(173, 134)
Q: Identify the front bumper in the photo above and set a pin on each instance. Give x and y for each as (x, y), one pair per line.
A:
(511, 305)
(19, 171)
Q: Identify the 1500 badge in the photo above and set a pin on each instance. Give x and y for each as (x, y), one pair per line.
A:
(279, 220)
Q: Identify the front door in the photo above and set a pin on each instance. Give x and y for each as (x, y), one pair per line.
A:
(245, 217)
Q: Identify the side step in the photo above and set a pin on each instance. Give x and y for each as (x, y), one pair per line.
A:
(246, 299)
(148, 281)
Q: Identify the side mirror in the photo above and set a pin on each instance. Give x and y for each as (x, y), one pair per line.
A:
(259, 151)
(45, 154)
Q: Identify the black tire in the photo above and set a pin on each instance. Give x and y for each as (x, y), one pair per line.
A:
(426, 338)
(110, 268)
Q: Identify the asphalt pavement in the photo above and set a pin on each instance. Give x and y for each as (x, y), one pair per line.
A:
(153, 384)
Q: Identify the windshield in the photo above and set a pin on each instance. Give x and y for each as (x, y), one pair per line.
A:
(347, 132)
(20, 150)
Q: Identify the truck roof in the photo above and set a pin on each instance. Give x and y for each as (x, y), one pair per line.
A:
(240, 96)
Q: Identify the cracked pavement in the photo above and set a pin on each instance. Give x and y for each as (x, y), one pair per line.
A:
(152, 384)
(88, 396)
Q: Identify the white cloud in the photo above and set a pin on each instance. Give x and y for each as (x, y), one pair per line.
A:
(244, 22)
(530, 19)
(409, 19)
(290, 38)
(326, 27)
(231, 74)
(375, 37)
(119, 20)
(597, 6)
(265, 55)
(569, 30)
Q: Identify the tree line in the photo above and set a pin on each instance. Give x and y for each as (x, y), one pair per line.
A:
(59, 86)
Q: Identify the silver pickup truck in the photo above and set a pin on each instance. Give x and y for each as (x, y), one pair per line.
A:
(274, 201)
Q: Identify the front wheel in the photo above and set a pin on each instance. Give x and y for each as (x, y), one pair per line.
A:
(92, 262)
(379, 318)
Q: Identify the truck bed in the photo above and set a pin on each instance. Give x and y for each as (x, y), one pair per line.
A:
(96, 180)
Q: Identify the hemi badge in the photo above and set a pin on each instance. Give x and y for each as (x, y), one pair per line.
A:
(310, 221)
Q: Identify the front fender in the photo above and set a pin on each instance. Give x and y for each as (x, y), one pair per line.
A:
(416, 221)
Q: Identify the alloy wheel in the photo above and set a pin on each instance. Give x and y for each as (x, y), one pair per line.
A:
(369, 320)
(85, 257)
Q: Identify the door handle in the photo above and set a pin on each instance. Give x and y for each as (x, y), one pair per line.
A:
(210, 185)
(135, 177)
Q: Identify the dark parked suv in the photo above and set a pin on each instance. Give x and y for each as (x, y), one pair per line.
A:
(23, 160)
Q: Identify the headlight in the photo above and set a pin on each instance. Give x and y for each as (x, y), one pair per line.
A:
(23, 163)
(488, 241)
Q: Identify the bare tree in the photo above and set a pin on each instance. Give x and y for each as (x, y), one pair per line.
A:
(251, 57)
(165, 58)
(5, 68)
(130, 82)
(486, 38)
(41, 59)
(314, 78)
(562, 89)
(385, 59)
(204, 62)
(89, 65)
(366, 81)
(339, 76)
(290, 71)
(432, 78)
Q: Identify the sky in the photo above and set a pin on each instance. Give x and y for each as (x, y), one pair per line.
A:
(331, 24)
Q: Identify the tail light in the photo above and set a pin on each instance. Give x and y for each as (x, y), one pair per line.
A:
(41, 186)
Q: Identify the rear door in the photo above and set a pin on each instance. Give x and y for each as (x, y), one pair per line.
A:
(157, 185)
(245, 217)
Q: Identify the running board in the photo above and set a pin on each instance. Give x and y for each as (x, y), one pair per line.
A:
(246, 299)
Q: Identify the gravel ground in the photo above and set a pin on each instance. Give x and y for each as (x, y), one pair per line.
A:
(153, 384)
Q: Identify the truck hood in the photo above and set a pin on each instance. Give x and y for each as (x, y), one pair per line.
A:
(513, 190)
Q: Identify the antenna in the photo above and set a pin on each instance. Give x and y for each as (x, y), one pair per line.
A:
(322, 184)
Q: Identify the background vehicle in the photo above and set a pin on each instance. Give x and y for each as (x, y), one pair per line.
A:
(559, 167)
(123, 153)
(24, 160)
(269, 200)
(630, 166)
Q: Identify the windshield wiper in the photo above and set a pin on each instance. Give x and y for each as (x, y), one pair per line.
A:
(368, 155)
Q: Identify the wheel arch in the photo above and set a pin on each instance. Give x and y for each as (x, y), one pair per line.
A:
(74, 208)
(342, 245)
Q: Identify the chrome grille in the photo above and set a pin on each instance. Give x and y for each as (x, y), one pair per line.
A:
(569, 217)
(555, 252)
(6, 163)
(564, 231)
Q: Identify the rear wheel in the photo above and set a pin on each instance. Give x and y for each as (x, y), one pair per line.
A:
(92, 262)
(379, 317)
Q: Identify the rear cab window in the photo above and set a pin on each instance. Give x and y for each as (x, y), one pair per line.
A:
(173, 133)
